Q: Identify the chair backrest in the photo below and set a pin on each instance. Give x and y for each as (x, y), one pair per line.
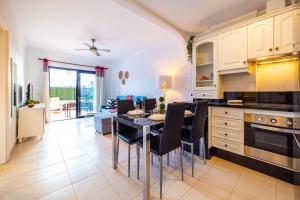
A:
(124, 106)
(198, 126)
(171, 135)
(149, 104)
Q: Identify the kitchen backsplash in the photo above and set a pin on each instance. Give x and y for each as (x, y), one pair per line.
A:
(265, 97)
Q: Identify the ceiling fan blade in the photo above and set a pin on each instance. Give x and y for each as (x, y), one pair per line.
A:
(86, 44)
(105, 50)
(97, 53)
(81, 49)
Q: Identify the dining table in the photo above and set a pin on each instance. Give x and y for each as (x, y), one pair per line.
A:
(145, 124)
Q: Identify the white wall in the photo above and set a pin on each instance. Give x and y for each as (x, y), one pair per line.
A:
(16, 51)
(34, 67)
(145, 66)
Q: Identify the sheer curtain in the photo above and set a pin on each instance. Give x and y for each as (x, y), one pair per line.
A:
(99, 86)
(46, 89)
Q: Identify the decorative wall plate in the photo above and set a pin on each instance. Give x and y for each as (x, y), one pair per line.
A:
(120, 75)
(126, 74)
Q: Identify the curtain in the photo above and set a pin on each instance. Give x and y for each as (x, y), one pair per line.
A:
(46, 89)
(99, 86)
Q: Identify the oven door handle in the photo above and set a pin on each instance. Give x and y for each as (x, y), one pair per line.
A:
(269, 128)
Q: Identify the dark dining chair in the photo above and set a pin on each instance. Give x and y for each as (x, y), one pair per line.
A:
(167, 139)
(196, 131)
(149, 104)
(127, 134)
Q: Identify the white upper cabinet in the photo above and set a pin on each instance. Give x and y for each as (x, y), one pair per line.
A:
(232, 49)
(283, 33)
(260, 38)
(296, 31)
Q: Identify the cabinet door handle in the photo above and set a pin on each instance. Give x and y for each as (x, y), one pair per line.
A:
(294, 45)
(270, 49)
(245, 62)
(277, 48)
(226, 145)
(226, 112)
(226, 134)
(225, 123)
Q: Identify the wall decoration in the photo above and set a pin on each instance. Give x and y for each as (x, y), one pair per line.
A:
(126, 75)
(14, 91)
(120, 75)
(123, 76)
(189, 48)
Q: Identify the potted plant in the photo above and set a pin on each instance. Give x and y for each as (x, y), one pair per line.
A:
(162, 105)
(30, 103)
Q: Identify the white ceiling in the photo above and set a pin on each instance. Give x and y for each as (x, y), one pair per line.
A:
(64, 24)
(195, 16)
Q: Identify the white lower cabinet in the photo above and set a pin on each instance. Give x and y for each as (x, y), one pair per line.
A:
(227, 129)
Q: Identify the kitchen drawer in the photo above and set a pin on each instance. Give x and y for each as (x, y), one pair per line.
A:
(235, 136)
(209, 94)
(233, 113)
(233, 124)
(228, 145)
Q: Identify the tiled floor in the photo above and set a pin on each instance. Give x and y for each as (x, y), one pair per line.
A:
(72, 162)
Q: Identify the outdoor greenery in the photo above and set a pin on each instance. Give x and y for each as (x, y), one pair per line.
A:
(69, 93)
(64, 93)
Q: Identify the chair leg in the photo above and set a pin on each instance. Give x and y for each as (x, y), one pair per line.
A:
(151, 159)
(202, 143)
(118, 149)
(181, 164)
(168, 159)
(192, 152)
(129, 160)
(138, 161)
(160, 176)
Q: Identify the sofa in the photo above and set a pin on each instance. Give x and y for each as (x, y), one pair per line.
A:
(102, 119)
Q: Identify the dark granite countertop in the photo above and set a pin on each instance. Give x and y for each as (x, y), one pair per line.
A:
(260, 106)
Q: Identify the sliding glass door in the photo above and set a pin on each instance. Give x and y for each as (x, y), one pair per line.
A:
(72, 93)
(86, 94)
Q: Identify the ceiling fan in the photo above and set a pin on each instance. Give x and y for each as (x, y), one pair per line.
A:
(93, 48)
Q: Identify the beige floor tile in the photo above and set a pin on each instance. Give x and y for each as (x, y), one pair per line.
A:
(50, 171)
(221, 178)
(212, 191)
(83, 172)
(127, 189)
(254, 185)
(50, 185)
(15, 183)
(87, 187)
(193, 194)
(12, 170)
(66, 193)
(24, 193)
(106, 194)
(78, 162)
(287, 191)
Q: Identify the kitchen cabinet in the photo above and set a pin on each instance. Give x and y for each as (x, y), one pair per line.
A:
(296, 30)
(283, 33)
(227, 129)
(232, 49)
(204, 75)
(260, 38)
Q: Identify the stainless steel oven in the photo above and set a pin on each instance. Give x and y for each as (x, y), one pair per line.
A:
(273, 139)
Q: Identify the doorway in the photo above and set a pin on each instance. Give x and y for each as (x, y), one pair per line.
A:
(72, 93)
